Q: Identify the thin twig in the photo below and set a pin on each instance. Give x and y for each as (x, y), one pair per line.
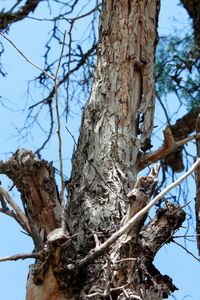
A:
(16, 208)
(3, 203)
(127, 226)
(187, 139)
(163, 107)
(125, 259)
(62, 196)
(86, 14)
(20, 256)
(68, 67)
(107, 275)
(185, 236)
(12, 214)
(95, 295)
(185, 249)
(79, 64)
(26, 58)
(62, 17)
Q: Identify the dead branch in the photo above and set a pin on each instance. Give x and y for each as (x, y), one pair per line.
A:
(181, 130)
(185, 236)
(193, 8)
(19, 213)
(175, 136)
(129, 225)
(80, 63)
(186, 250)
(125, 259)
(12, 214)
(21, 256)
(26, 58)
(140, 196)
(62, 196)
(7, 18)
(161, 228)
(35, 180)
(170, 145)
(185, 125)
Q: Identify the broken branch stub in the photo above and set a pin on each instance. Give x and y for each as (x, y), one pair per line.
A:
(35, 180)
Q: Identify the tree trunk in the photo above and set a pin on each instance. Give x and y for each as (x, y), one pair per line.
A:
(104, 192)
(116, 127)
(117, 120)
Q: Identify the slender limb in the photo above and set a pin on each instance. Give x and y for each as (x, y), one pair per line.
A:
(20, 256)
(12, 214)
(62, 196)
(26, 58)
(62, 17)
(178, 244)
(16, 208)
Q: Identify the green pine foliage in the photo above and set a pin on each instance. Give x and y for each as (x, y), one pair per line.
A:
(178, 69)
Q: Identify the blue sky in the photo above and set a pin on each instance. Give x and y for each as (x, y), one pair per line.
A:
(29, 37)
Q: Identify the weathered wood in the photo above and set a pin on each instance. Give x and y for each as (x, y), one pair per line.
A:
(117, 123)
(111, 134)
(35, 180)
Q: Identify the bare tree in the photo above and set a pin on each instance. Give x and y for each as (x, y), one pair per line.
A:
(101, 245)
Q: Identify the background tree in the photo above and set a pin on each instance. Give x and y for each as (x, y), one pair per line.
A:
(103, 191)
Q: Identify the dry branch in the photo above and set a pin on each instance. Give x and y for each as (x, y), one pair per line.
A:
(170, 145)
(129, 225)
(161, 228)
(19, 213)
(20, 256)
(26, 58)
(186, 250)
(35, 180)
(9, 17)
(62, 196)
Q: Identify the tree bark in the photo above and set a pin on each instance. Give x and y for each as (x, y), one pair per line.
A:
(104, 191)
(117, 124)
(193, 9)
(117, 121)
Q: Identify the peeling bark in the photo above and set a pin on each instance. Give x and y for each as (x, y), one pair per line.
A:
(49, 290)
(104, 191)
(185, 125)
(36, 183)
(180, 130)
(111, 133)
